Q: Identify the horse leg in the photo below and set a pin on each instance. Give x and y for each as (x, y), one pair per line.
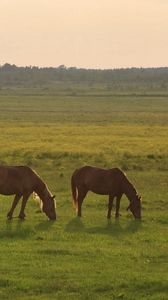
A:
(81, 196)
(110, 205)
(117, 206)
(24, 201)
(15, 202)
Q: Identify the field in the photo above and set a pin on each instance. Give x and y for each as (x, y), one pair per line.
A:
(87, 258)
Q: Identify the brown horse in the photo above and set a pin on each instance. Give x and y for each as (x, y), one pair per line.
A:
(112, 182)
(21, 181)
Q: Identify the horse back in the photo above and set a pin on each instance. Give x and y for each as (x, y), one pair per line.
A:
(16, 179)
(98, 180)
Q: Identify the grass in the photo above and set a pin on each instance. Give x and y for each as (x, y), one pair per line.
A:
(89, 258)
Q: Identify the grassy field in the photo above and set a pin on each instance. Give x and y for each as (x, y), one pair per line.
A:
(89, 258)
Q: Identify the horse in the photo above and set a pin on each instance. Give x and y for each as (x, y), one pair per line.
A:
(112, 182)
(22, 181)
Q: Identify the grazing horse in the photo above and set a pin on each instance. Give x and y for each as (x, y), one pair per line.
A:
(22, 181)
(112, 182)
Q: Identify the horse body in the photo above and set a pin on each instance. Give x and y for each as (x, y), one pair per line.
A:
(112, 182)
(16, 180)
(99, 181)
(22, 181)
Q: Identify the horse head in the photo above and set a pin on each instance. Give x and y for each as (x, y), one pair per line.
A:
(49, 206)
(135, 207)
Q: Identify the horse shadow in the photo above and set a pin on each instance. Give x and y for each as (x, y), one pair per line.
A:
(22, 230)
(16, 230)
(112, 228)
(44, 225)
(75, 225)
(132, 226)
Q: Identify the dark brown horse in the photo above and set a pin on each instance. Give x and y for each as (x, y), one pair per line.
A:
(21, 181)
(112, 182)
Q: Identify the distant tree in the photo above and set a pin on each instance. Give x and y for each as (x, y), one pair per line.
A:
(122, 79)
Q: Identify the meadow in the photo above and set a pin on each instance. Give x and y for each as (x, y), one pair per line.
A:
(87, 258)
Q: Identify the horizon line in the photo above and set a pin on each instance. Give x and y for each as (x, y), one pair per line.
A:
(82, 68)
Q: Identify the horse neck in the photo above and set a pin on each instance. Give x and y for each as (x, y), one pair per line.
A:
(129, 190)
(40, 189)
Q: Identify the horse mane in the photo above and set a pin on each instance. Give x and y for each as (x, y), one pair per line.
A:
(129, 188)
(40, 186)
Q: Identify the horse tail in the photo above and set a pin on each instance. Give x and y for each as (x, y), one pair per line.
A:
(74, 191)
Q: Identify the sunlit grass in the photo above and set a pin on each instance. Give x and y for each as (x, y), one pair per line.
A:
(131, 146)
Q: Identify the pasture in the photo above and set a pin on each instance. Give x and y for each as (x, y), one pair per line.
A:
(88, 258)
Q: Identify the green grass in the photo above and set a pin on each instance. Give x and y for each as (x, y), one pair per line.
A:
(89, 258)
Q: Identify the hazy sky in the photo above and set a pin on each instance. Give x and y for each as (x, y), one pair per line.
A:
(84, 33)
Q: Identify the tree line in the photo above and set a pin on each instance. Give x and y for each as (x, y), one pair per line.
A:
(12, 75)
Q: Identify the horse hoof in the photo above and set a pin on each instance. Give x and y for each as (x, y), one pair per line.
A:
(9, 216)
(21, 217)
